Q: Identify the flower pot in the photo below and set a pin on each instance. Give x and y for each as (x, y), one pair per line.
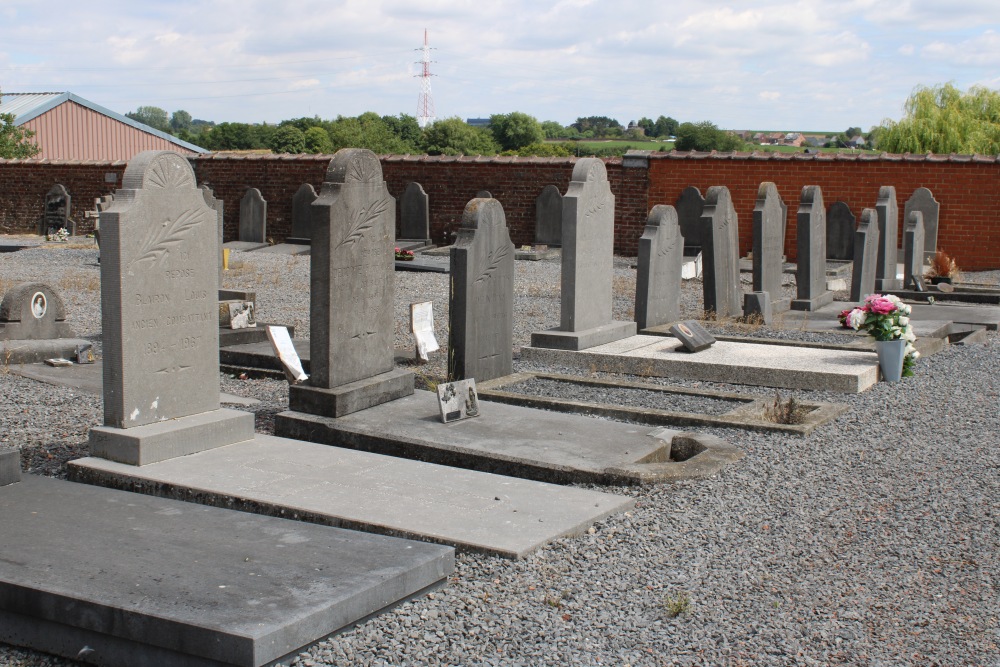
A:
(890, 358)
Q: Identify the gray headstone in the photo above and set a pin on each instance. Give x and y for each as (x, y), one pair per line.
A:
(253, 217)
(888, 227)
(810, 274)
(922, 200)
(758, 305)
(840, 224)
(414, 214)
(913, 247)
(548, 216)
(481, 310)
(689, 207)
(218, 206)
(587, 263)
(768, 245)
(33, 311)
(720, 258)
(57, 208)
(159, 307)
(658, 279)
(352, 292)
(484, 194)
(302, 202)
(865, 255)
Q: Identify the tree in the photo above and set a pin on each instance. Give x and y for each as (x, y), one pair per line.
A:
(366, 131)
(554, 130)
(406, 128)
(15, 142)
(515, 130)
(155, 117)
(180, 121)
(853, 132)
(317, 140)
(601, 126)
(705, 136)
(943, 119)
(648, 126)
(453, 136)
(288, 139)
(232, 137)
(665, 126)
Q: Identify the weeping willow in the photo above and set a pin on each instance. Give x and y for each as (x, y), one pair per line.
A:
(943, 119)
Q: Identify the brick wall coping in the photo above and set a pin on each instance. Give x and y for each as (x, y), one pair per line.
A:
(816, 157)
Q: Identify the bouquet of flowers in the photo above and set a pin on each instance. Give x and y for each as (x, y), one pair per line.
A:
(61, 236)
(885, 318)
(404, 255)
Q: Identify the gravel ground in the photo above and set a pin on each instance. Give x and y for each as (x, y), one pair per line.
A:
(872, 541)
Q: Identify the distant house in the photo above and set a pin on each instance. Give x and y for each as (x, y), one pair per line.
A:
(794, 139)
(478, 122)
(68, 127)
(856, 142)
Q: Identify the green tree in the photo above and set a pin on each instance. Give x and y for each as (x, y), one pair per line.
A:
(180, 121)
(943, 119)
(288, 139)
(453, 136)
(665, 126)
(406, 128)
(600, 126)
(515, 130)
(647, 125)
(366, 131)
(317, 140)
(232, 137)
(705, 136)
(554, 130)
(155, 117)
(853, 132)
(15, 142)
(544, 149)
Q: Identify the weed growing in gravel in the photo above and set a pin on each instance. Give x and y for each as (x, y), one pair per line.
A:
(785, 412)
(675, 605)
(83, 282)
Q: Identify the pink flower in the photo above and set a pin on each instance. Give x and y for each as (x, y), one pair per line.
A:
(881, 305)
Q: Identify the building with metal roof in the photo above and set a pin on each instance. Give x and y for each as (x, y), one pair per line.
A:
(68, 127)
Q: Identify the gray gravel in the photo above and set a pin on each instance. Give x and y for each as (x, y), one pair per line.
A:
(872, 541)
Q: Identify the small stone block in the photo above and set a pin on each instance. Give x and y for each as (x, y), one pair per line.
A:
(10, 466)
(351, 397)
(85, 353)
(581, 340)
(159, 441)
(758, 304)
(458, 400)
(694, 336)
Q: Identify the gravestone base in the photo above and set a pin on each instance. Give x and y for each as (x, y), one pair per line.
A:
(16, 352)
(351, 397)
(10, 466)
(414, 244)
(556, 339)
(758, 304)
(887, 285)
(142, 445)
(298, 240)
(824, 299)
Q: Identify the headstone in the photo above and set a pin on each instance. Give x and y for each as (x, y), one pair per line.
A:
(159, 288)
(721, 255)
(458, 400)
(484, 194)
(422, 328)
(689, 207)
(481, 311)
(913, 249)
(658, 278)
(587, 264)
(33, 311)
(840, 224)
(693, 336)
(810, 274)
(548, 217)
(57, 208)
(218, 206)
(888, 223)
(757, 306)
(414, 214)
(352, 292)
(768, 247)
(865, 255)
(253, 217)
(301, 213)
(923, 200)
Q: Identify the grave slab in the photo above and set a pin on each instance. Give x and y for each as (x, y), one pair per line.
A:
(787, 367)
(36, 351)
(10, 466)
(470, 510)
(176, 584)
(285, 249)
(243, 246)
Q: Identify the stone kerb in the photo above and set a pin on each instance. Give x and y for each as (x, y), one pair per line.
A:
(159, 286)
(913, 248)
(923, 200)
(865, 255)
(481, 310)
(810, 274)
(769, 245)
(720, 255)
(888, 222)
(658, 279)
(352, 292)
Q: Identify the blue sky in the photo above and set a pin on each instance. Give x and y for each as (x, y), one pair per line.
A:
(754, 64)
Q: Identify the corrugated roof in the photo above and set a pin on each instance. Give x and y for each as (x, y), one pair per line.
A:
(28, 106)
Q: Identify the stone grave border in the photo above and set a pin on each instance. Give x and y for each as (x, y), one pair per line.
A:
(742, 417)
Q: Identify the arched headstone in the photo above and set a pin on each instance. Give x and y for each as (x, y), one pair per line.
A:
(810, 274)
(658, 278)
(720, 255)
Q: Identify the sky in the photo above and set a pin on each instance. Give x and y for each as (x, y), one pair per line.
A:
(810, 65)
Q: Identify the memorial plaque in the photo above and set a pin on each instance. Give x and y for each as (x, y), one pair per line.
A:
(253, 217)
(548, 217)
(888, 222)
(458, 400)
(721, 262)
(865, 255)
(658, 278)
(241, 315)
(422, 327)
(693, 336)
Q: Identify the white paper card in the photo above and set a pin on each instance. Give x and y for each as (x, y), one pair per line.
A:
(422, 326)
(285, 350)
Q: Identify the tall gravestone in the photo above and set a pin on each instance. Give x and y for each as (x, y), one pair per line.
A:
(159, 315)
(658, 279)
(481, 310)
(689, 207)
(352, 293)
(414, 214)
(587, 264)
(913, 249)
(58, 204)
(218, 206)
(721, 255)
(840, 224)
(888, 224)
(302, 202)
(253, 217)
(548, 216)
(865, 255)
(769, 245)
(923, 200)
(810, 274)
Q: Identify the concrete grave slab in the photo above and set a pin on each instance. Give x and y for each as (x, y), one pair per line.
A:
(151, 581)
(285, 249)
(243, 246)
(786, 367)
(334, 486)
(14, 352)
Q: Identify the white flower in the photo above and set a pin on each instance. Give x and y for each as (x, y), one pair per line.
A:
(909, 337)
(904, 321)
(856, 318)
(910, 349)
(915, 355)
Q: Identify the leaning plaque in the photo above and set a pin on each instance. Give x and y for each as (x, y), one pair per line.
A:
(693, 336)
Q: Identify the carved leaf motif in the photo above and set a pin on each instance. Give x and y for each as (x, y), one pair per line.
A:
(362, 220)
(493, 260)
(163, 237)
(667, 247)
(173, 369)
(597, 206)
(164, 174)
